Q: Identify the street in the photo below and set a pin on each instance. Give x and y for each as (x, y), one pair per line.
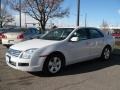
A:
(91, 75)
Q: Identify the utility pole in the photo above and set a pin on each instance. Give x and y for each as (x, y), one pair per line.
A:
(78, 13)
(25, 20)
(0, 14)
(20, 11)
(86, 20)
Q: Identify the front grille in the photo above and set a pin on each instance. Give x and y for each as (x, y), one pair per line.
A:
(13, 52)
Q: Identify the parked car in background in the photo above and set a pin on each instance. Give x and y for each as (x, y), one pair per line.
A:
(1, 32)
(13, 36)
(116, 36)
(59, 48)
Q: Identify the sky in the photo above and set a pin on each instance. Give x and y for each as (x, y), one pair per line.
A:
(96, 10)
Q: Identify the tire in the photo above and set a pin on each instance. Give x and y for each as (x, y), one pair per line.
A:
(106, 53)
(7, 46)
(53, 64)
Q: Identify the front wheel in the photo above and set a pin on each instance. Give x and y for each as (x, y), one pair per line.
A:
(53, 64)
(106, 53)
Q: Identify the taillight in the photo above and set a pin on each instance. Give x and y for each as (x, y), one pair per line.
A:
(4, 36)
(0, 35)
(20, 36)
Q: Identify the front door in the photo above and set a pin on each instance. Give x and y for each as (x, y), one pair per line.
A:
(79, 50)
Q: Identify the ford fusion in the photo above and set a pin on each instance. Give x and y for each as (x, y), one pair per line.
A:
(58, 48)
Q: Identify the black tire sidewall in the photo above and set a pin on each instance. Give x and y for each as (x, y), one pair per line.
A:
(103, 56)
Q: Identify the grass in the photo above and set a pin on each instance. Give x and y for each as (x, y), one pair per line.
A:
(117, 45)
(117, 48)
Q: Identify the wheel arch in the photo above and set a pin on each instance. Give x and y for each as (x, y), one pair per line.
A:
(60, 54)
(108, 46)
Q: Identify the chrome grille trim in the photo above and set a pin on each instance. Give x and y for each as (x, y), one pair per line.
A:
(13, 52)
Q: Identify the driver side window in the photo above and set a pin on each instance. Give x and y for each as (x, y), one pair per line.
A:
(81, 34)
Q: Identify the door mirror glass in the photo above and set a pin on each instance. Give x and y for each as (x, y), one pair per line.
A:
(74, 39)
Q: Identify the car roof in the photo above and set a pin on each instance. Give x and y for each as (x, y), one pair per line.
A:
(87, 28)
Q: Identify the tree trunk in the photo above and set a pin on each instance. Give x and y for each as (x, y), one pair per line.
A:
(43, 28)
(43, 24)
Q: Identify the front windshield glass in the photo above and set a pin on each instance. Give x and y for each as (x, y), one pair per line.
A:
(57, 34)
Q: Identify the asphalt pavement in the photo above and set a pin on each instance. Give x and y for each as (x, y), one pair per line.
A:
(91, 75)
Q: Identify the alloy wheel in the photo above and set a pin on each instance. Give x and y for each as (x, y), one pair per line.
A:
(106, 53)
(54, 65)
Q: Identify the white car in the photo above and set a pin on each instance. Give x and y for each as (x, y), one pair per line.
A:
(59, 48)
(13, 36)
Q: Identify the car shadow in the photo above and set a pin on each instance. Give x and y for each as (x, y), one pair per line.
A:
(85, 67)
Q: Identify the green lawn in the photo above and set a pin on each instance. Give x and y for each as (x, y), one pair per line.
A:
(117, 45)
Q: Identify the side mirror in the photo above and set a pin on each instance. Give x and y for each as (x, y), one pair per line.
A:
(74, 39)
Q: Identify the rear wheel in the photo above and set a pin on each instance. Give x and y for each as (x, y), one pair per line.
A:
(53, 64)
(106, 53)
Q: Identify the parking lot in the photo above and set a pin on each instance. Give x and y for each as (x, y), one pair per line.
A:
(91, 75)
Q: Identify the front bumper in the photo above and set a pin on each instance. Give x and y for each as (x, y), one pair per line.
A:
(25, 64)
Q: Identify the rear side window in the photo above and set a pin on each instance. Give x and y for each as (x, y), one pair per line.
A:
(94, 33)
(32, 31)
(27, 32)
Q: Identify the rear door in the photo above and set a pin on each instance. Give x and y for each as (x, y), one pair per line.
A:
(96, 42)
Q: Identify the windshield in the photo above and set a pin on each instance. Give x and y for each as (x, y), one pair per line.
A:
(57, 34)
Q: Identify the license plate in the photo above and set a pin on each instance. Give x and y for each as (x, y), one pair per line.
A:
(11, 41)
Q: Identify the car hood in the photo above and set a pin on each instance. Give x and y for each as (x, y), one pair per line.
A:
(34, 43)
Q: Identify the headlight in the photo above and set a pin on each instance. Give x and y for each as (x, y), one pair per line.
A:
(28, 53)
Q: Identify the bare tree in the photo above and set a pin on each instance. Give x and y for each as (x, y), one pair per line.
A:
(41, 10)
(5, 17)
(105, 27)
